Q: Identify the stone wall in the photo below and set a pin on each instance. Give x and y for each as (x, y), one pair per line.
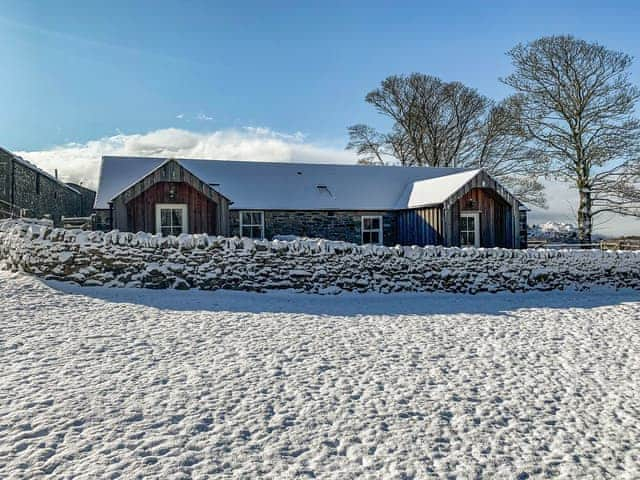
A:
(5, 178)
(331, 225)
(24, 188)
(117, 259)
(6, 162)
(87, 199)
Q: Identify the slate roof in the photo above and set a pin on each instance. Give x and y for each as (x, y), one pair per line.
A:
(297, 186)
(434, 191)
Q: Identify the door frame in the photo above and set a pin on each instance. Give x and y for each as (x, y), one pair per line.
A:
(476, 223)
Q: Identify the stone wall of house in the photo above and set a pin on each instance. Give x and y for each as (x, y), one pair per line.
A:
(116, 259)
(5, 184)
(33, 194)
(87, 199)
(331, 225)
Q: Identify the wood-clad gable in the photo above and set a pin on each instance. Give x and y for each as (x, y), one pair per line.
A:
(202, 212)
(495, 216)
(134, 209)
(440, 224)
(499, 212)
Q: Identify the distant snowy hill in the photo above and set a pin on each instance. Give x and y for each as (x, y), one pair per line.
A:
(554, 229)
(556, 232)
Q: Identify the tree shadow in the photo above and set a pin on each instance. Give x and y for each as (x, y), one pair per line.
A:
(352, 304)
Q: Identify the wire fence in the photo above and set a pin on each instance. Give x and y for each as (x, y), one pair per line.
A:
(610, 244)
(621, 244)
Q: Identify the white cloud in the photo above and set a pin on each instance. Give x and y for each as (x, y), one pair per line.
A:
(180, 116)
(297, 136)
(202, 116)
(79, 162)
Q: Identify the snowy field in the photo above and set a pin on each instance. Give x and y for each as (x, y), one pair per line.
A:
(106, 383)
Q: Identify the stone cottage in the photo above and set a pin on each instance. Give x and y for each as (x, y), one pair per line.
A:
(361, 204)
(28, 191)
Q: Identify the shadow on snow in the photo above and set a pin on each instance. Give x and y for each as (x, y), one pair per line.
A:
(349, 304)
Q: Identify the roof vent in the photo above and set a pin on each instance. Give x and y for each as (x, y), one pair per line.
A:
(324, 188)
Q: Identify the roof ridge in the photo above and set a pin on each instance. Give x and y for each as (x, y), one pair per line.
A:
(283, 163)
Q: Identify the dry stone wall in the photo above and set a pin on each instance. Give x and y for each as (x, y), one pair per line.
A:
(116, 259)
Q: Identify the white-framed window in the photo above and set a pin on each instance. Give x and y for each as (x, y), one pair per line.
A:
(171, 218)
(252, 224)
(372, 229)
(470, 229)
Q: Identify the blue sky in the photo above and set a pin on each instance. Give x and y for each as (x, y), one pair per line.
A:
(260, 80)
(93, 69)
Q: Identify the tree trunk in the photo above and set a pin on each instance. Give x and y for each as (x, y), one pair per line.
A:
(584, 216)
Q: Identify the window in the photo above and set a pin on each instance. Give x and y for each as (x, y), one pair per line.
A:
(252, 224)
(470, 229)
(171, 218)
(372, 230)
(37, 184)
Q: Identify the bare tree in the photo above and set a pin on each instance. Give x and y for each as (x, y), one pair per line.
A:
(503, 147)
(375, 148)
(442, 124)
(578, 108)
(370, 145)
(432, 119)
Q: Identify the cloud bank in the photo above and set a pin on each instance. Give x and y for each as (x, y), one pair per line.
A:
(79, 162)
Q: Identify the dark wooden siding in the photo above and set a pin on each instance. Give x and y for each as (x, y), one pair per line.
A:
(202, 211)
(134, 209)
(420, 226)
(495, 217)
(510, 237)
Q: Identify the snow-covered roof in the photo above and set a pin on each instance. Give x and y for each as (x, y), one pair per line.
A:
(434, 191)
(295, 186)
(35, 168)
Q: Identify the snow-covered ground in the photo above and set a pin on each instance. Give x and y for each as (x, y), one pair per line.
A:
(100, 383)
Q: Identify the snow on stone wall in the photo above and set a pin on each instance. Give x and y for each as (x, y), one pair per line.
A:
(116, 259)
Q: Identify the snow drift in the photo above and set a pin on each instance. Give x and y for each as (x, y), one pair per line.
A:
(117, 259)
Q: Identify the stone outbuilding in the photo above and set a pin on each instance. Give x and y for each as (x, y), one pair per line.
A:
(355, 203)
(28, 191)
